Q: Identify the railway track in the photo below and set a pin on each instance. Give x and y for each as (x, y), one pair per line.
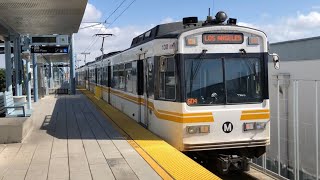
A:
(255, 173)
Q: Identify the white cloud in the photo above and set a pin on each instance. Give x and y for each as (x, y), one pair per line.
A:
(121, 40)
(167, 20)
(315, 7)
(91, 14)
(285, 28)
(290, 28)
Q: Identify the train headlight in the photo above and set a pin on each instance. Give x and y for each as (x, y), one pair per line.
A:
(248, 126)
(260, 125)
(254, 126)
(198, 129)
(204, 129)
(192, 129)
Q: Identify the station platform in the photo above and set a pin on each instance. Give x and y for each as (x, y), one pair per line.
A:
(71, 140)
(74, 137)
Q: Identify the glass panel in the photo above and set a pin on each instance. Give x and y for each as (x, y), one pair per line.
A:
(134, 77)
(223, 81)
(168, 81)
(150, 84)
(122, 78)
(243, 80)
(129, 81)
(115, 78)
(204, 81)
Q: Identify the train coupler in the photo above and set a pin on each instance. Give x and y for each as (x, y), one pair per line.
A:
(227, 163)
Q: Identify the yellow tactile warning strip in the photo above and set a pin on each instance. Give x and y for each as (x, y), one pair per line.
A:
(168, 162)
(261, 114)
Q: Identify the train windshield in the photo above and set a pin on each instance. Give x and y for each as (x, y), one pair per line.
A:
(223, 81)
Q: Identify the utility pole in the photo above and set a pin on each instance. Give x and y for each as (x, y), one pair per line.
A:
(85, 57)
(103, 37)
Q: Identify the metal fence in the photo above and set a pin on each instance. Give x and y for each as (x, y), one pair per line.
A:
(294, 149)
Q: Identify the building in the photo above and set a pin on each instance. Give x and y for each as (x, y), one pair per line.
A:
(294, 89)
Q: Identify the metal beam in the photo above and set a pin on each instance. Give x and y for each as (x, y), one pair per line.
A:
(8, 65)
(35, 77)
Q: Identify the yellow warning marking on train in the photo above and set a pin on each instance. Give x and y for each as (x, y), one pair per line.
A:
(260, 114)
(166, 115)
(167, 161)
(256, 111)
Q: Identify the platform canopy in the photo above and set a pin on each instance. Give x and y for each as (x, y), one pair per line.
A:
(41, 16)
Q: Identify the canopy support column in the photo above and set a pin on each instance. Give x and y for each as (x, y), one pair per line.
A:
(28, 84)
(35, 77)
(16, 65)
(8, 65)
(72, 67)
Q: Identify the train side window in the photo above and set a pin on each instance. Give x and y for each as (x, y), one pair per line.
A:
(121, 74)
(128, 76)
(134, 77)
(115, 78)
(106, 76)
(167, 79)
(150, 84)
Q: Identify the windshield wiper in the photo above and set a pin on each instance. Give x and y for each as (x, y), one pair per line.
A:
(201, 57)
(194, 74)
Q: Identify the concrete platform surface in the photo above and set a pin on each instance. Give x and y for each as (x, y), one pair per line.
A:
(71, 139)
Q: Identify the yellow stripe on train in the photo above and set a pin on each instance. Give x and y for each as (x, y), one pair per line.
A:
(260, 114)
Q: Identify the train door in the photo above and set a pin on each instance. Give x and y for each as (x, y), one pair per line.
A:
(109, 82)
(87, 79)
(147, 89)
(96, 75)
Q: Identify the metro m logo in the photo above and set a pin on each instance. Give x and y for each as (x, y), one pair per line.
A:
(227, 127)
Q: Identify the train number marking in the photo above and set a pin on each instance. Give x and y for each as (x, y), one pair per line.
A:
(191, 101)
(227, 127)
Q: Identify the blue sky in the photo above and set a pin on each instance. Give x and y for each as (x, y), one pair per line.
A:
(281, 19)
(252, 11)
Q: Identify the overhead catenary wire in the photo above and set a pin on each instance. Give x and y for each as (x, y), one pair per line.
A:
(95, 39)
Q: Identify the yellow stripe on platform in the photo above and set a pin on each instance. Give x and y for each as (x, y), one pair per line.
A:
(167, 161)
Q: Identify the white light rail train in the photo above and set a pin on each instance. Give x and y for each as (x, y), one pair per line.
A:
(201, 86)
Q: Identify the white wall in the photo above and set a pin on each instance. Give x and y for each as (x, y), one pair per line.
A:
(306, 72)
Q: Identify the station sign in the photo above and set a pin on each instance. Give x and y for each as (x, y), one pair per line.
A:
(49, 49)
(62, 40)
(222, 38)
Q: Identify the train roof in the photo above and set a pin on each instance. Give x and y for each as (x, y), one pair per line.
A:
(169, 30)
(99, 58)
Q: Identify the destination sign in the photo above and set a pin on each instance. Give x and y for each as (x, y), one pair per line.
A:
(222, 38)
(49, 49)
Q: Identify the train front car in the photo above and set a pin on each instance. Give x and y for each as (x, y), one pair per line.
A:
(224, 73)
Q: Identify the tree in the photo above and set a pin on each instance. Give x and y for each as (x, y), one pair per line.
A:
(2, 80)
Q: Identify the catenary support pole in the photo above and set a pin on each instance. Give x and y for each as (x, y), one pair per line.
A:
(35, 77)
(8, 65)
